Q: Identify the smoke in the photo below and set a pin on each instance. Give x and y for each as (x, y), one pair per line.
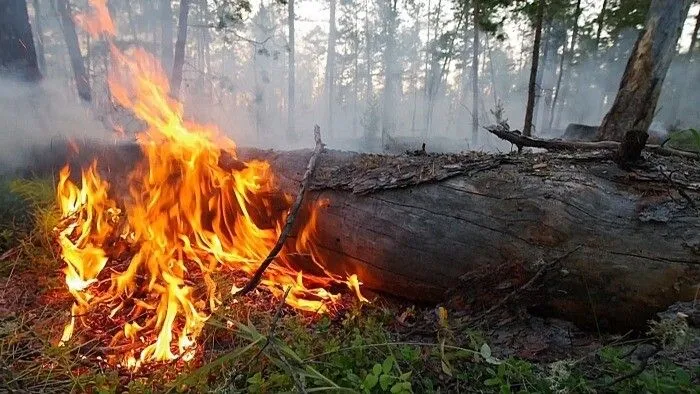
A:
(33, 116)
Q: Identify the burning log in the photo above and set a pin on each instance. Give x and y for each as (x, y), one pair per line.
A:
(472, 228)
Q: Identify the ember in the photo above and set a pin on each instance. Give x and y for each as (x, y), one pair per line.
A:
(146, 261)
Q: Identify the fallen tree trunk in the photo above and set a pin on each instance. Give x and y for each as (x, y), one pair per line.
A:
(473, 228)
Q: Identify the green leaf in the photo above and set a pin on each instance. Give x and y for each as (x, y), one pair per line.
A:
(485, 351)
(385, 381)
(370, 382)
(397, 388)
(406, 375)
(492, 382)
(377, 369)
(387, 364)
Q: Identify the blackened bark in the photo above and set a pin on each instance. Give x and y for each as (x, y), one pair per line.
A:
(17, 53)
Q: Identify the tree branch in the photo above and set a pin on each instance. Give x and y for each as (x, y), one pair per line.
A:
(291, 217)
(519, 140)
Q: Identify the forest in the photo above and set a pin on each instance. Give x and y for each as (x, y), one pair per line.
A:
(350, 196)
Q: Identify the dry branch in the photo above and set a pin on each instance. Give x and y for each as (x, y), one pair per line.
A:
(519, 140)
(291, 217)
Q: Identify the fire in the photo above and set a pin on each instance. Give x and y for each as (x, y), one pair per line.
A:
(149, 258)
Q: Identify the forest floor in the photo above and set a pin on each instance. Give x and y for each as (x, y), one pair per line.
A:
(386, 345)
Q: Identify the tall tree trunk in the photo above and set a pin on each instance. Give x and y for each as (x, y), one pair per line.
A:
(527, 128)
(356, 81)
(369, 88)
(475, 76)
(17, 53)
(600, 22)
(694, 37)
(433, 77)
(635, 104)
(541, 69)
(166, 26)
(179, 61)
(39, 36)
(82, 83)
(493, 74)
(291, 103)
(388, 99)
(330, 66)
(567, 55)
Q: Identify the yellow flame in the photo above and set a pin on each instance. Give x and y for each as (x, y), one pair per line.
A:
(185, 218)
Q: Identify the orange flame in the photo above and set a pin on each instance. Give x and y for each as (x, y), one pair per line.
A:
(186, 217)
(98, 22)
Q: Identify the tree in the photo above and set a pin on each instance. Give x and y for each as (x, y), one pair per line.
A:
(475, 75)
(166, 28)
(39, 36)
(179, 61)
(17, 53)
(568, 56)
(82, 82)
(291, 104)
(527, 128)
(330, 65)
(635, 104)
(389, 14)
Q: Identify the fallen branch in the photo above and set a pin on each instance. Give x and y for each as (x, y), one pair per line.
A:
(291, 217)
(519, 140)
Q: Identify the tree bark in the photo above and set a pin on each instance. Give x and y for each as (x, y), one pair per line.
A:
(179, 60)
(330, 67)
(82, 82)
(635, 104)
(471, 228)
(527, 128)
(291, 103)
(166, 26)
(17, 54)
(475, 76)
(39, 36)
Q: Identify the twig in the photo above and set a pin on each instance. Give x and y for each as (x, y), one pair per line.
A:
(521, 141)
(524, 287)
(291, 217)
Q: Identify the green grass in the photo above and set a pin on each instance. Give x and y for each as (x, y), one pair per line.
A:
(258, 347)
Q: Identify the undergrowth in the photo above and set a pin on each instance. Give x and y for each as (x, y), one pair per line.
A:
(257, 346)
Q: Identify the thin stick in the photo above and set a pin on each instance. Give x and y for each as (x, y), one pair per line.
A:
(291, 217)
(519, 140)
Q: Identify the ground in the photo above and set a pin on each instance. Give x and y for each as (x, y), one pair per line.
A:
(256, 345)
